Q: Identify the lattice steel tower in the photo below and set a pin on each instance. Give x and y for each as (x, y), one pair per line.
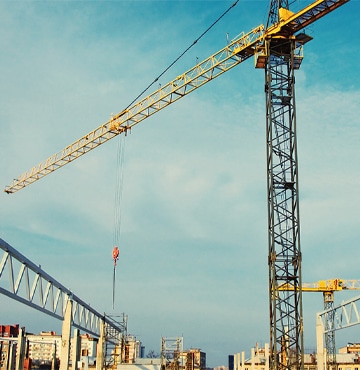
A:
(329, 331)
(286, 334)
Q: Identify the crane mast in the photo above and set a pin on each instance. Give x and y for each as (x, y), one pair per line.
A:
(284, 253)
(273, 16)
(280, 57)
(278, 50)
(283, 199)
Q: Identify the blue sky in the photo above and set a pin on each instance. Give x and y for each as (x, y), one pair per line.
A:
(193, 241)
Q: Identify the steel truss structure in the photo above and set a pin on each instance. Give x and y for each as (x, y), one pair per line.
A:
(283, 53)
(281, 56)
(332, 319)
(329, 333)
(345, 315)
(286, 335)
(238, 50)
(29, 284)
(327, 287)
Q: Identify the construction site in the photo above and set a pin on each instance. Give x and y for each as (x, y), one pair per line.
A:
(93, 334)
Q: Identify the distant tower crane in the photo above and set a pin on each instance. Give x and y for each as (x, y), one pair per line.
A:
(278, 49)
(327, 287)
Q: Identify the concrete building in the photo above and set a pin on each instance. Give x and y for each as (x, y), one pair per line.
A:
(132, 350)
(45, 347)
(7, 331)
(192, 359)
(42, 350)
(141, 364)
(8, 342)
(350, 348)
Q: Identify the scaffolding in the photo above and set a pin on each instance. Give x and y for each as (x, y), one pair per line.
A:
(114, 340)
(171, 349)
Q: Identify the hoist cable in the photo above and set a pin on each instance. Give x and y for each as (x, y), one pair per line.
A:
(121, 144)
(113, 292)
(118, 202)
(118, 195)
(184, 52)
(119, 189)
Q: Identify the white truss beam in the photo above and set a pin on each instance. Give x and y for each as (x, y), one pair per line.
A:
(27, 283)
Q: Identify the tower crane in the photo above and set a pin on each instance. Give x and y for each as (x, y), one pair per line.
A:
(327, 287)
(277, 48)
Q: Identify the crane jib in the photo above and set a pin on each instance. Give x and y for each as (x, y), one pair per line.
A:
(233, 54)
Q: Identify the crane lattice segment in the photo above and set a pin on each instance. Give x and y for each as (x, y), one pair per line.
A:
(347, 314)
(290, 23)
(238, 50)
(330, 285)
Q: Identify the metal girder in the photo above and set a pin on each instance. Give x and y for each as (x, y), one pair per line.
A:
(29, 284)
(345, 315)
